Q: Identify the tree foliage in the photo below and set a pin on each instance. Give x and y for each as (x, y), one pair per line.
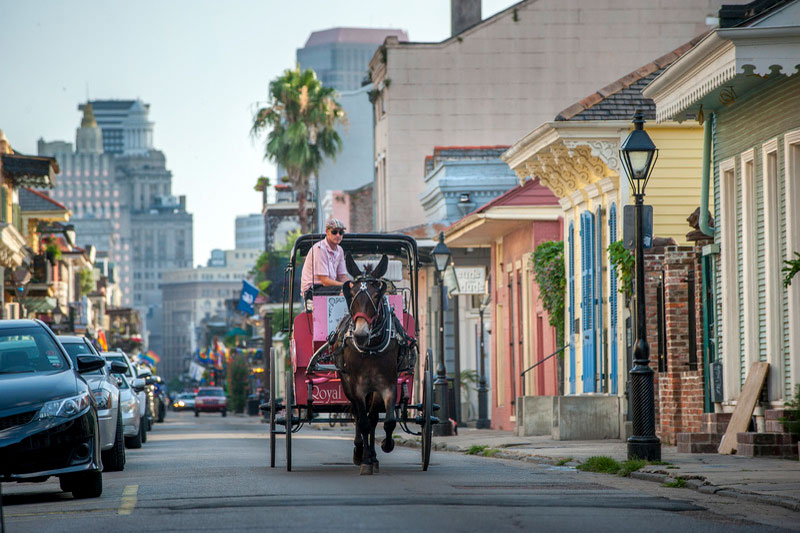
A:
(87, 281)
(238, 374)
(623, 262)
(300, 117)
(792, 267)
(548, 271)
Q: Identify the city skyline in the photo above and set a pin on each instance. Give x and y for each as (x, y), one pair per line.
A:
(152, 56)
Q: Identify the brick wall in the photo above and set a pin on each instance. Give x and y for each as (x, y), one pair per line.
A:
(361, 220)
(679, 389)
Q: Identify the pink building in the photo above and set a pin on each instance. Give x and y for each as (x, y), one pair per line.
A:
(513, 225)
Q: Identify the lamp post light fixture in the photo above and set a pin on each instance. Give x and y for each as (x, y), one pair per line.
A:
(483, 391)
(639, 155)
(441, 257)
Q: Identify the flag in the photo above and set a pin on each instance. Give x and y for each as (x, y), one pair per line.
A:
(247, 298)
(150, 358)
(202, 356)
(101, 339)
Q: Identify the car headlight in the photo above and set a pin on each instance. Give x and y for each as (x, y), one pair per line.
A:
(103, 398)
(129, 406)
(181, 404)
(65, 407)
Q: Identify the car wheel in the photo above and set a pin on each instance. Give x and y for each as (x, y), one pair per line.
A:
(135, 441)
(114, 459)
(143, 430)
(197, 413)
(162, 412)
(224, 413)
(84, 484)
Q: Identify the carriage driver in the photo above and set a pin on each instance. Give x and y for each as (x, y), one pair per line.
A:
(324, 265)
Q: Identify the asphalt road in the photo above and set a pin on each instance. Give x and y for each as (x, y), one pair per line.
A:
(212, 473)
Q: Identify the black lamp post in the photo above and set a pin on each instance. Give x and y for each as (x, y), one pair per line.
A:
(483, 392)
(639, 155)
(441, 257)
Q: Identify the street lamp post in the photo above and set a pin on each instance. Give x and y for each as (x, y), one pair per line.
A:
(639, 154)
(483, 392)
(441, 256)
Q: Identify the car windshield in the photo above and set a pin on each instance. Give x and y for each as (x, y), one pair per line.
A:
(210, 392)
(74, 349)
(188, 396)
(29, 349)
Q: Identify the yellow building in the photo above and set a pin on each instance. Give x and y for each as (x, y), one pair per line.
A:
(577, 157)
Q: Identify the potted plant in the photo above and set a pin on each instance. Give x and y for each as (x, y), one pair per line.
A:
(52, 250)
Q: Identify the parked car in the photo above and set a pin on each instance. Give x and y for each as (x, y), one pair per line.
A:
(131, 374)
(106, 393)
(184, 402)
(210, 400)
(151, 411)
(132, 423)
(48, 414)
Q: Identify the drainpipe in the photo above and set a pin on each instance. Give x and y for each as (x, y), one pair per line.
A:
(704, 227)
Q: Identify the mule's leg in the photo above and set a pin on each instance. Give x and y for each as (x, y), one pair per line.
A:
(389, 401)
(374, 416)
(362, 423)
(358, 447)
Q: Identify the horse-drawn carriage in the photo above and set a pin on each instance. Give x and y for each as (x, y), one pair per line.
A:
(337, 359)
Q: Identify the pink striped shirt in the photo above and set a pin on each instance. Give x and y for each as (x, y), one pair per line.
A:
(322, 261)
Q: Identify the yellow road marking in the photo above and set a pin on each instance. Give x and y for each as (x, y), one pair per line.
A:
(128, 499)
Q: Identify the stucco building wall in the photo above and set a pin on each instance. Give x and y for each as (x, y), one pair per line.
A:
(489, 84)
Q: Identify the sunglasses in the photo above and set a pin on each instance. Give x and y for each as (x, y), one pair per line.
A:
(337, 232)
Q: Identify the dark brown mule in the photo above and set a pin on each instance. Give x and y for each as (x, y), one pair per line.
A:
(369, 359)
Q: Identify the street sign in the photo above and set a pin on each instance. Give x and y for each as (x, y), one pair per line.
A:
(471, 280)
(629, 227)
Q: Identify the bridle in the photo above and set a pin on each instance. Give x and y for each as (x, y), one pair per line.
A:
(380, 324)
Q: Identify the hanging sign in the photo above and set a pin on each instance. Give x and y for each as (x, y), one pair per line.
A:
(471, 280)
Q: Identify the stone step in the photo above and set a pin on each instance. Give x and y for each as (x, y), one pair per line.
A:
(685, 447)
(751, 444)
(776, 414)
(698, 442)
(716, 422)
(774, 426)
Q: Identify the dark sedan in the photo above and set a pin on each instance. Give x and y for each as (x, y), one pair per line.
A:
(48, 415)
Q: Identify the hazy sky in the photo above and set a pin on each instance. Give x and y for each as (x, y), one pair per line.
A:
(201, 65)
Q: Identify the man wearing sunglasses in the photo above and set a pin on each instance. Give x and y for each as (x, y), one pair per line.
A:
(324, 265)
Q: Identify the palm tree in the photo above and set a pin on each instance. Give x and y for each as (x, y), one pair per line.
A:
(301, 117)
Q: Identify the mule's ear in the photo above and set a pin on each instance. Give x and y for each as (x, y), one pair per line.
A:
(380, 270)
(352, 266)
(347, 292)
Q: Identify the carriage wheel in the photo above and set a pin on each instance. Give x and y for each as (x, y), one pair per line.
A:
(427, 411)
(289, 400)
(272, 391)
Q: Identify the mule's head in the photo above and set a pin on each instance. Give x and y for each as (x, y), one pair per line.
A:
(364, 295)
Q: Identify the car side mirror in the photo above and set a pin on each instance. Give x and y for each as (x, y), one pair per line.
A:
(138, 384)
(89, 363)
(118, 367)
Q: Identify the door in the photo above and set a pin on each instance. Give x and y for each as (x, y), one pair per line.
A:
(587, 301)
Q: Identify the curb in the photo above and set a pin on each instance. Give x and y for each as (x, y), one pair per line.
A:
(695, 483)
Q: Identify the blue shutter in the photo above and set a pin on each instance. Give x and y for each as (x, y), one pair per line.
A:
(612, 298)
(571, 240)
(588, 289)
(598, 258)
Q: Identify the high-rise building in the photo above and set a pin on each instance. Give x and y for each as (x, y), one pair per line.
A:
(125, 125)
(87, 186)
(192, 295)
(120, 192)
(250, 231)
